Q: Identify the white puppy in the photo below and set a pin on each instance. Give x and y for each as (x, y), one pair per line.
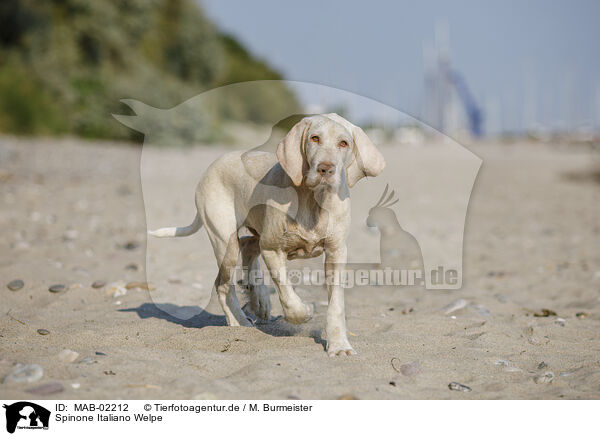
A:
(295, 204)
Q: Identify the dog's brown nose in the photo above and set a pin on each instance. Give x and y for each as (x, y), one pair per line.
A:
(326, 169)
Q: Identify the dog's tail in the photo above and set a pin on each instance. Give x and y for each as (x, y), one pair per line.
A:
(170, 232)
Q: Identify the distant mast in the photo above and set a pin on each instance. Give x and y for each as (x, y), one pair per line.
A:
(446, 89)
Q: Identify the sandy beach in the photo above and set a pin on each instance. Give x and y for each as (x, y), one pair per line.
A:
(72, 213)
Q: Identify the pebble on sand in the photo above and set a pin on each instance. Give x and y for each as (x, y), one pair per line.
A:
(454, 386)
(544, 313)
(507, 365)
(15, 285)
(98, 284)
(22, 373)
(140, 285)
(70, 235)
(43, 332)
(68, 356)
(57, 288)
(411, 369)
(546, 377)
(46, 389)
(131, 245)
(116, 289)
(501, 298)
(81, 271)
(454, 306)
(481, 310)
(347, 397)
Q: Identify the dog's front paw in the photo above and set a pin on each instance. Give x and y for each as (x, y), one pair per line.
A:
(300, 314)
(340, 348)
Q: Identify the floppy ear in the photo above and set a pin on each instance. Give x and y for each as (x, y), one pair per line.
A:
(368, 161)
(290, 151)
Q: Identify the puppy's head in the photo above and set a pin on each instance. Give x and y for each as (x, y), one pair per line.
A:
(327, 151)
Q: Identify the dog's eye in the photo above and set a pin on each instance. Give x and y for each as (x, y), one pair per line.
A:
(314, 138)
(343, 144)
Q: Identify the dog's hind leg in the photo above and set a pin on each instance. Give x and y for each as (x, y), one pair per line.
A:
(226, 248)
(260, 298)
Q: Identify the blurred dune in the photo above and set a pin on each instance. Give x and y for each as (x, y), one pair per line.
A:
(64, 65)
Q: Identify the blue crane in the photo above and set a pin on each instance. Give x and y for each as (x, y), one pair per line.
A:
(473, 111)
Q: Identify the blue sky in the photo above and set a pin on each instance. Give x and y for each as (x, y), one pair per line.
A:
(525, 62)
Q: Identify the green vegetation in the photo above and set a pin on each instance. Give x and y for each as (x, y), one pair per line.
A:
(65, 64)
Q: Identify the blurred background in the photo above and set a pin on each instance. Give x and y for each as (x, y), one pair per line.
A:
(471, 70)
(65, 64)
(486, 69)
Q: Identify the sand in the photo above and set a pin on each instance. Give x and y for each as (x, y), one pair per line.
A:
(72, 213)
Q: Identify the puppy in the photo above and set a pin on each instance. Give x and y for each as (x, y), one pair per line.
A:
(295, 204)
